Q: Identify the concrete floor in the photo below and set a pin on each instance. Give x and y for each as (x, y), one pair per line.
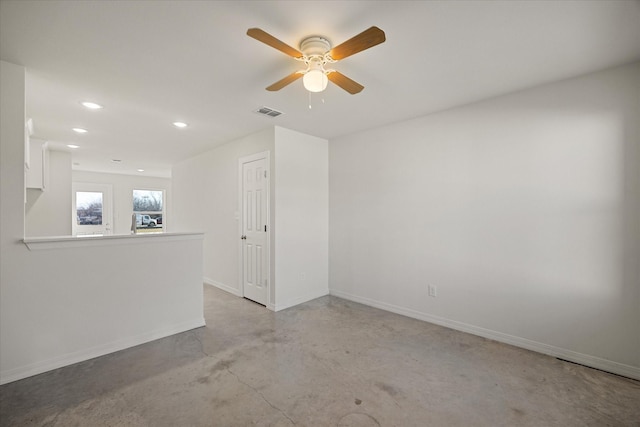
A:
(329, 362)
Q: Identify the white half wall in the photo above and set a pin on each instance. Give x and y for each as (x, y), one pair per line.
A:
(63, 305)
(302, 217)
(123, 186)
(205, 190)
(48, 213)
(523, 211)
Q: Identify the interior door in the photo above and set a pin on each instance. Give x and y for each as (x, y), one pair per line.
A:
(255, 250)
(92, 212)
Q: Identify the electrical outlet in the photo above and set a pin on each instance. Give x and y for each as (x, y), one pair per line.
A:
(433, 291)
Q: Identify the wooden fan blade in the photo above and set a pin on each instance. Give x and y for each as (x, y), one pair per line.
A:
(366, 39)
(345, 82)
(284, 82)
(266, 38)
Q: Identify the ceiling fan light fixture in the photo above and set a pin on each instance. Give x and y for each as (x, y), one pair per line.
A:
(315, 81)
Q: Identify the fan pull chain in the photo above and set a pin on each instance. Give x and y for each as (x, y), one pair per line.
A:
(310, 107)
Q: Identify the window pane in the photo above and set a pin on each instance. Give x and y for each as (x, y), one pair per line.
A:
(147, 207)
(89, 208)
(147, 201)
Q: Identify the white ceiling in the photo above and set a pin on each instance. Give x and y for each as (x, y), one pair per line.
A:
(154, 62)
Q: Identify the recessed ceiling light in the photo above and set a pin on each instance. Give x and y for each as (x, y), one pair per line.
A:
(91, 105)
(180, 124)
(80, 130)
(140, 170)
(73, 146)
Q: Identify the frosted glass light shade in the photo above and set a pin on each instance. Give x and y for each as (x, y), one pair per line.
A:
(315, 81)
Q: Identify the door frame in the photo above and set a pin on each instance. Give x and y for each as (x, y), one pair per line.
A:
(107, 190)
(241, 161)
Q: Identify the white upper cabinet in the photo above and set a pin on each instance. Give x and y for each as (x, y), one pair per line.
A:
(38, 166)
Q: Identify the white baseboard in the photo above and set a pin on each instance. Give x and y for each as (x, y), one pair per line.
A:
(222, 286)
(301, 299)
(562, 353)
(90, 353)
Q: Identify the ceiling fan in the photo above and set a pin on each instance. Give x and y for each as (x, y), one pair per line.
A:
(316, 52)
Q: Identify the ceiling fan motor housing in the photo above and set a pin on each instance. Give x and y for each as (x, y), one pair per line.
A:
(315, 46)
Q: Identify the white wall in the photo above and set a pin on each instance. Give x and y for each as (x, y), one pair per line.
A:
(206, 199)
(205, 190)
(60, 306)
(122, 193)
(48, 213)
(302, 217)
(523, 210)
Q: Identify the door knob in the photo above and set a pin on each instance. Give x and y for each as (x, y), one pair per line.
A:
(244, 237)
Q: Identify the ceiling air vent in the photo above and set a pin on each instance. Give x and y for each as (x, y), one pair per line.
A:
(268, 111)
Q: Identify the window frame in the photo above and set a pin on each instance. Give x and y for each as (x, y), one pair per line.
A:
(160, 228)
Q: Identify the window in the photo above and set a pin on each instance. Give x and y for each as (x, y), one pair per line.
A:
(91, 213)
(148, 208)
(88, 208)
